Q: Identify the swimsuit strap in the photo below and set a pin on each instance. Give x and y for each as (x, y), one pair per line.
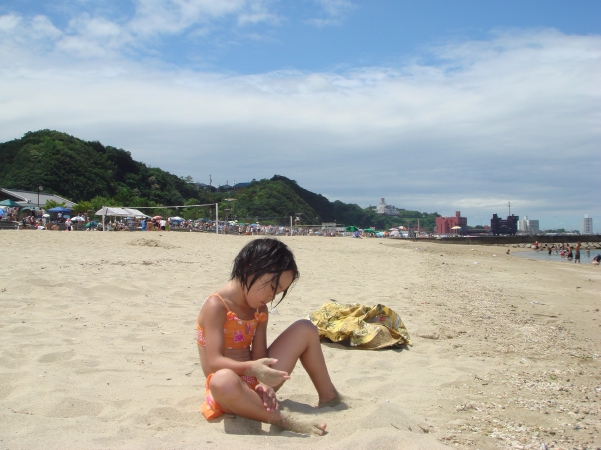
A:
(220, 298)
(260, 317)
(230, 314)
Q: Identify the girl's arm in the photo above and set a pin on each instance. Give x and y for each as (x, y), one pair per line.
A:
(214, 315)
(259, 346)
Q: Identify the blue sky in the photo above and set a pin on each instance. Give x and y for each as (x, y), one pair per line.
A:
(434, 105)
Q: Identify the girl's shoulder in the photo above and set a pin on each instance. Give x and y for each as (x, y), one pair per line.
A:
(215, 302)
(213, 308)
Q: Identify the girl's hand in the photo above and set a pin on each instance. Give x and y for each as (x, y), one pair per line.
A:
(265, 374)
(270, 402)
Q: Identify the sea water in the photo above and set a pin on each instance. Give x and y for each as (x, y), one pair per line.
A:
(544, 255)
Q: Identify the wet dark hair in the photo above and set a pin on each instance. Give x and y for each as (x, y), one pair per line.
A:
(264, 256)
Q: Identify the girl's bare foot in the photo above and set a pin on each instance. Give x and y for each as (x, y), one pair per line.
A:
(335, 400)
(289, 423)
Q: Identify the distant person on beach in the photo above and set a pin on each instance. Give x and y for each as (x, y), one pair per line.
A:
(569, 253)
(508, 252)
(577, 253)
(243, 374)
(596, 259)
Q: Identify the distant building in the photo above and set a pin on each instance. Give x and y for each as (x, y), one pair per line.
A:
(29, 200)
(387, 210)
(499, 226)
(587, 225)
(204, 186)
(528, 226)
(444, 225)
(241, 185)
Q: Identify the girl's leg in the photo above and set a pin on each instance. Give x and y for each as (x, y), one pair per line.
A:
(301, 341)
(236, 397)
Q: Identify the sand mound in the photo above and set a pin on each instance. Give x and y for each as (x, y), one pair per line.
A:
(141, 242)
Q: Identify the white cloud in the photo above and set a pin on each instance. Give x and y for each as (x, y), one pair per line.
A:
(517, 117)
(334, 12)
(175, 16)
(42, 28)
(9, 22)
(95, 36)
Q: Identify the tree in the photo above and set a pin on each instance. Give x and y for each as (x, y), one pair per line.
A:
(52, 204)
(82, 207)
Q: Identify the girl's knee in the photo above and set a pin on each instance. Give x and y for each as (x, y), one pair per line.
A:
(306, 327)
(223, 381)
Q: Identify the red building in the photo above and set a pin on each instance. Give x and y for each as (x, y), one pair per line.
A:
(444, 225)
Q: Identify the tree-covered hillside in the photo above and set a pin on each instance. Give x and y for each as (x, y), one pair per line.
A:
(81, 170)
(99, 176)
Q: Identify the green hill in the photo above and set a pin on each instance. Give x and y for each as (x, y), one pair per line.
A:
(101, 175)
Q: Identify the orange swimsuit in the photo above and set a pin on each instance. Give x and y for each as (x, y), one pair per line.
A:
(238, 334)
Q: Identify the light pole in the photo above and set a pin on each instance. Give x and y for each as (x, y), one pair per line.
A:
(40, 188)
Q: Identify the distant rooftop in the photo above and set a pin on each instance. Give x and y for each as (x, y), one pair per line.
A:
(27, 198)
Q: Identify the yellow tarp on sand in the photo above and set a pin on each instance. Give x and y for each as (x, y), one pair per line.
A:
(368, 327)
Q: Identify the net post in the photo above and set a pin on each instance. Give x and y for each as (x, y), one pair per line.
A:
(216, 218)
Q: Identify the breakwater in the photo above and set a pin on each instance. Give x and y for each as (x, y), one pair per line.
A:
(511, 240)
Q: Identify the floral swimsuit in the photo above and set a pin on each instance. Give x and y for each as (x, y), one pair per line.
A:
(237, 334)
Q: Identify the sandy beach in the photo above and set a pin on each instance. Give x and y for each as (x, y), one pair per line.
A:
(99, 345)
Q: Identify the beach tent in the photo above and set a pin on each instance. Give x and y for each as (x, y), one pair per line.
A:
(118, 212)
(9, 202)
(351, 228)
(60, 209)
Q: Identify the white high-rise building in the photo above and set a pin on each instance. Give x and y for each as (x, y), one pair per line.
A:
(587, 225)
(528, 226)
(533, 226)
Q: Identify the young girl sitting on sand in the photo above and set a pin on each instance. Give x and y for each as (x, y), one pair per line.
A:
(242, 373)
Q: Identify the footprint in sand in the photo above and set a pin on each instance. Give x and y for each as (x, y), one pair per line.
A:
(56, 357)
(76, 407)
